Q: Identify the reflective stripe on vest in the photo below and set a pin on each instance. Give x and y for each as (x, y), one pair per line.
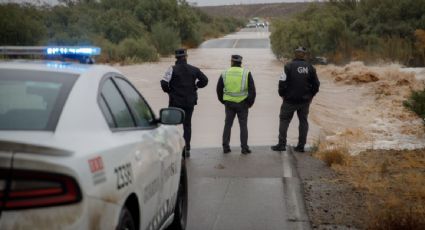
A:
(235, 82)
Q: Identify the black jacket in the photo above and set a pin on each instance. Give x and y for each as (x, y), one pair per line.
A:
(251, 90)
(298, 83)
(183, 83)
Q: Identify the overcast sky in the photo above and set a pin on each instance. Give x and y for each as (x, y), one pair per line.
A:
(198, 2)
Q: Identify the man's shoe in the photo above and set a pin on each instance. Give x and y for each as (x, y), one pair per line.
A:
(187, 153)
(299, 149)
(246, 151)
(226, 150)
(279, 147)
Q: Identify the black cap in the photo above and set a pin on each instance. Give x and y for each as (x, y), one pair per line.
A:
(237, 58)
(180, 53)
(301, 49)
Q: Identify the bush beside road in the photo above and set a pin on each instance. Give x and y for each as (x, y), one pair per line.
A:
(369, 31)
(416, 103)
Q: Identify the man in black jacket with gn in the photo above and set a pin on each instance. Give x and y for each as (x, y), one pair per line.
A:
(298, 84)
(181, 82)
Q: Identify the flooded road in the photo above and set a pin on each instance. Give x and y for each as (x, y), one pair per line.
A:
(212, 58)
(358, 106)
(234, 191)
(349, 110)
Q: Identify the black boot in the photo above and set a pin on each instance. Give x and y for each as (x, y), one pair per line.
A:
(299, 148)
(279, 147)
(187, 153)
(246, 151)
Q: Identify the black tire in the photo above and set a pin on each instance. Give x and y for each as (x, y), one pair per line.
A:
(126, 221)
(181, 208)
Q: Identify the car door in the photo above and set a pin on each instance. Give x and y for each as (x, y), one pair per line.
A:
(137, 167)
(146, 119)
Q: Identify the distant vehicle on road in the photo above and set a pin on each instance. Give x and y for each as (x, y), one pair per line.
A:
(251, 25)
(80, 148)
(319, 60)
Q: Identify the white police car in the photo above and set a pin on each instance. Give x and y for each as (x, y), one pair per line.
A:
(80, 148)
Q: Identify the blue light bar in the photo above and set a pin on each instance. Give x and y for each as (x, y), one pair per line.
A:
(81, 53)
(73, 50)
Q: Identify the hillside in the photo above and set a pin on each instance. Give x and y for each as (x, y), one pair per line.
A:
(256, 10)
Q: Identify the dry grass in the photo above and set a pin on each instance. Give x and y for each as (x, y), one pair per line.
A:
(393, 181)
(333, 157)
(399, 192)
(395, 214)
(332, 154)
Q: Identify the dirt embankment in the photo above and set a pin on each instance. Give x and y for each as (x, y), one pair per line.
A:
(367, 111)
(372, 173)
(379, 189)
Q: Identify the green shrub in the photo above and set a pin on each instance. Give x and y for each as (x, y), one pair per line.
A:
(116, 25)
(137, 50)
(366, 30)
(165, 38)
(109, 52)
(21, 25)
(126, 30)
(416, 103)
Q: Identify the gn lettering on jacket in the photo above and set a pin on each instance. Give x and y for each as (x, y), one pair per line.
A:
(302, 70)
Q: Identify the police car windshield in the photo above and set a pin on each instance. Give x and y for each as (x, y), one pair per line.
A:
(32, 100)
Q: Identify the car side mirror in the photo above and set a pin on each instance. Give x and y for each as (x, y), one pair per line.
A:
(171, 116)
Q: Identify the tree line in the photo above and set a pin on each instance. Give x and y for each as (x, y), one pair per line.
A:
(126, 30)
(366, 30)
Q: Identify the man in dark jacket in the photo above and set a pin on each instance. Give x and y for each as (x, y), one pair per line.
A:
(181, 82)
(236, 90)
(298, 84)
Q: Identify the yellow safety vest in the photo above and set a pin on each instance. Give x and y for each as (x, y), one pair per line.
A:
(235, 81)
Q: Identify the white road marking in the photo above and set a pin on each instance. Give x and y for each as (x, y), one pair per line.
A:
(294, 199)
(236, 43)
(287, 167)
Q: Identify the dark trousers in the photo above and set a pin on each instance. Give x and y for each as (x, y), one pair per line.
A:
(286, 113)
(187, 124)
(241, 110)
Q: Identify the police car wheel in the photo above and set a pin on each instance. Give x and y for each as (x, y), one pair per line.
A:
(126, 220)
(180, 211)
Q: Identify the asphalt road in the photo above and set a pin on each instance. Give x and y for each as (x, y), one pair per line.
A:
(249, 42)
(250, 192)
(237, 43)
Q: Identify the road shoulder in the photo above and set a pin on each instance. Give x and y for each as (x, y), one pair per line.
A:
(331, 203)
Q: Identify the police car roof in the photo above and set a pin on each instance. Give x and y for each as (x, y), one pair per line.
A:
(54, 66)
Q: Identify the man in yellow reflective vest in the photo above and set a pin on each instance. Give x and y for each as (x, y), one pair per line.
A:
(236, 90)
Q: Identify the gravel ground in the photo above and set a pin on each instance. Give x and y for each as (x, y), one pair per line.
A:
(331, 202)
